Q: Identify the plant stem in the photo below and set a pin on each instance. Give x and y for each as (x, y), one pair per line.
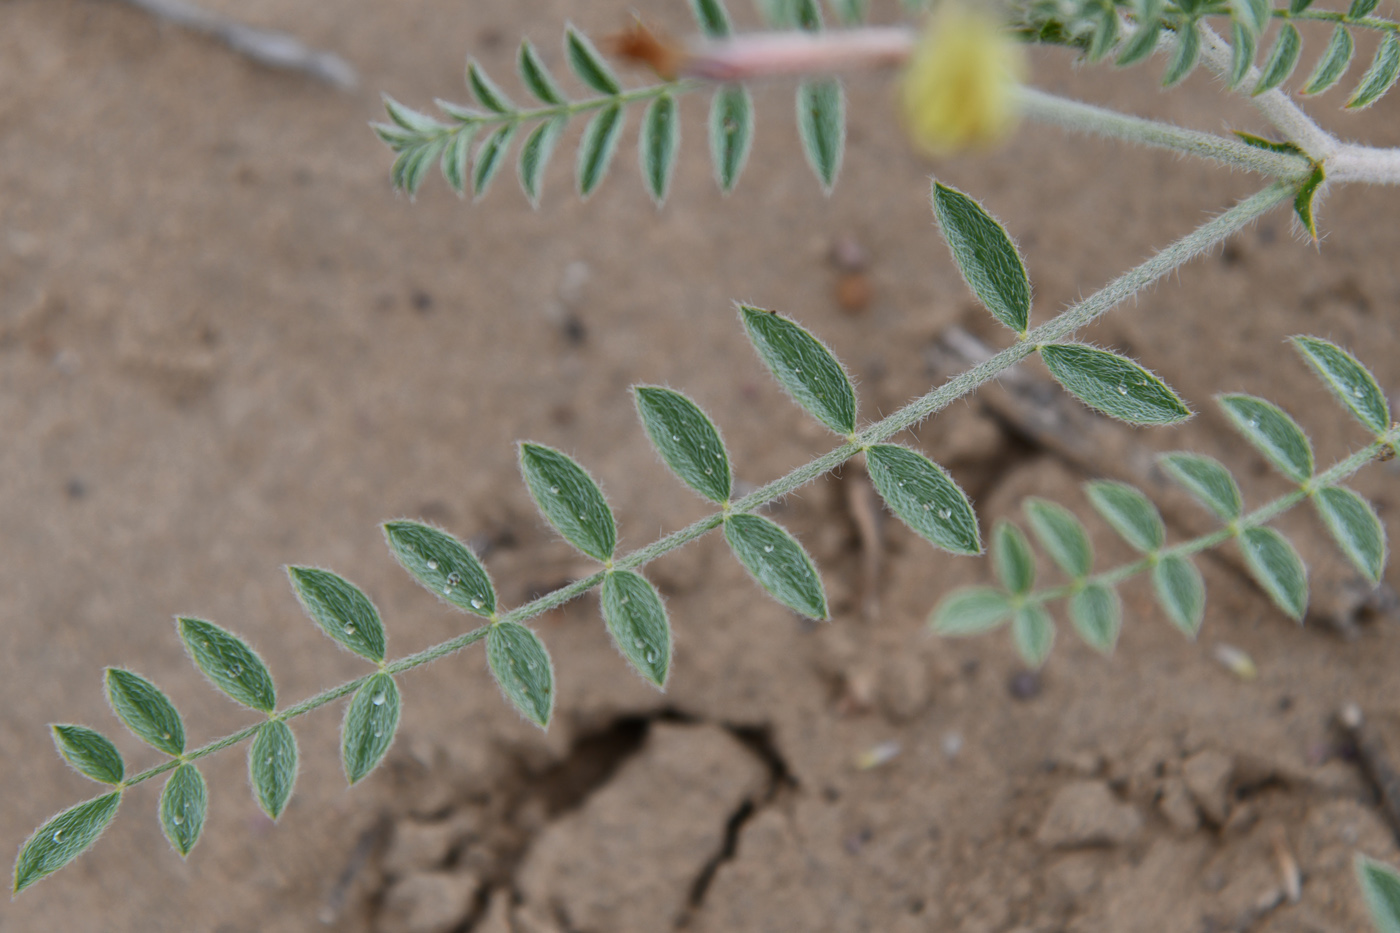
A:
(1256, 519)
(1087, 118)
(1061, 326)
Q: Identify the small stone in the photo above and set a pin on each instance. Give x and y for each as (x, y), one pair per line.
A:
(1086, 813)
(1176, 805)
(1207, 775)
(428, 902)
(1024, 685)
(853, 292)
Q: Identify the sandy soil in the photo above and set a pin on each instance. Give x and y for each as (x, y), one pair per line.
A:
(226, 346)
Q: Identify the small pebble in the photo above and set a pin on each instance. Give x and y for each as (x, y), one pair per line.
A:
(847, 255)
(1024, 685)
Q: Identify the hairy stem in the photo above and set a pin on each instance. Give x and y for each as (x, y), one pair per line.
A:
(1256, 519)
(1058, 328)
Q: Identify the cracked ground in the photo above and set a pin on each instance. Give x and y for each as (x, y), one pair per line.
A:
(227, 346)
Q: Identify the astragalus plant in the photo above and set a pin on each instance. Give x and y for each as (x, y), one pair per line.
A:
(961, 83)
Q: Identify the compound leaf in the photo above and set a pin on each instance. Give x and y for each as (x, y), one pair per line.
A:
(63, 839)
(588, 64)
(1283, 58)
(340, 609)
(985, 255)
(821, 122)
(442, 564)
(1355, 527)
(272, 766)
(184, 802)
(536, 76)
(1097, 614)
(535, 154)
(686, 439)
(971, 611)
(1130, 513)
(657, 145)
(370, 723)
(522, 668)
(570, 499)
(1207, 481)
(1114, 385)
(145, 710)
(804, 367)
(637, 621)
(1034, 634)
(1379, 78)
(596, 149)
(778, 562)
(1061, 535)
(1381, 886)
(229, 663)
(1181, 591)
(924, 497)
(90, 753)
(1349, 381)
(1273, 434)
(1277, 568)
(731, 133)
(1011, 554)
(1333, 63)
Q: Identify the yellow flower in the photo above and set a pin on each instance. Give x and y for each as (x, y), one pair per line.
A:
(959, 87)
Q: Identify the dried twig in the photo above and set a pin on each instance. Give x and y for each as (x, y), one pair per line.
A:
(264, 46)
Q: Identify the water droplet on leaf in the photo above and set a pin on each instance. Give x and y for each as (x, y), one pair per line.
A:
(378, 699)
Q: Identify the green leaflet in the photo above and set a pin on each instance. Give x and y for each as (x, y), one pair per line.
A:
(272, 766)
(804, 367)
(419, 124)
(535, 76)
(970, 610)
(924, 497)
(686, 439)
(1303, 200)
(1277, 568)
(658, 144)
(985, 255)
(590, 67)
(144, 710)
(340, 609)
(1333, 63)
(370, 723)
(1144, 38)
(1379, 78)
(1061, 535)
(1208, 481)
(522, 668)
(1283, 58)
(456, 157)
(442, 564)
(1034, 634)
(1011, 555)
(184, 802)
(486, 91)
(1097, 614)
(1273, 434)
(413, 164)
(1130, 513)
(1355, 528)
(1188, 52)
(63, 839)
(1349, 381)
(1361, 8)
(1181, 592)
(1380, 884)
(1253, 15)
(712, 17)
(821, 122)
(1113, 385)
(534, 156)
(595, 150)
(637, 621)
(731, 133)
(1105, 31)
(490, 156)
(849, 12)
(90, 753)
(1298, 6)
(569, 498)
(807, 14)
(1243, 45)
(229, 664)
(778, 562)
